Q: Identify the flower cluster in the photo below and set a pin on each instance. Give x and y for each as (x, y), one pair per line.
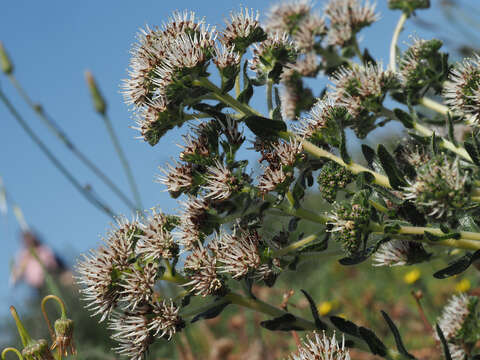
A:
(396, 206)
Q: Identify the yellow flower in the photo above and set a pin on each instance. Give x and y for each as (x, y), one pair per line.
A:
(324, 307)
(463, 285)
(412, 276)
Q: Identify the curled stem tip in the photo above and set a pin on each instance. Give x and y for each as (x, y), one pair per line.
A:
(11, 349)
(44, 312)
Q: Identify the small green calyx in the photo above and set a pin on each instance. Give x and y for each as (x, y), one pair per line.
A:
(98, 100)
(37, 350)
(64, 336)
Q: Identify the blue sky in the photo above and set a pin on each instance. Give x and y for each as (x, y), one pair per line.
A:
(52, 44)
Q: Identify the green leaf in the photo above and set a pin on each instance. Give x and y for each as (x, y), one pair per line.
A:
(404, 117)
(282, 323)
(377, 347)
(345, 326)
(212, 312)
(398, 338)
(343, 149)
(369, 155)
(434, 143)
(446, 350)
(264, 127)
(395, 176)
(458, 266)
(313, 308)
(247, 92)
(451, 132)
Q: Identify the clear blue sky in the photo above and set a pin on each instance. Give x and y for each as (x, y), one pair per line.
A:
(52, 43)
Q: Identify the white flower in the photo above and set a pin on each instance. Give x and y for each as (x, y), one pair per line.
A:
(462, 92)
(285, 16)
(166, 321)
(201, 269)
(321, 347)
(346, 18)
(220, 182)
(238, 253)
(397, 253)
(316, 119)
(240, 26)
(131, 332)
(225, 56)
(138, 286)
(177, 177)
(155, 242)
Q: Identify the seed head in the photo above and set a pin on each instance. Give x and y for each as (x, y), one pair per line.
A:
(64, 337)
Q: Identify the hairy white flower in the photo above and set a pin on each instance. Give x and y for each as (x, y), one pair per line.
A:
(271, 178)
(347, 17)
(201, 269)
(321, 347)
(399, 252)
(138, 286)
(230, 129)
(238, 253)
(462, 91)
(156, 242)
(166, 321)
(285, 16)
(357, 87)
(452, 320)
(440, 187)
(220, 182)
(148, 115)
(225, 56)
(308, 30)
(267, 50)
(287, 151)
(177, 177)
(132, 334)
(316, 119)
(96, 268)
(240, 26)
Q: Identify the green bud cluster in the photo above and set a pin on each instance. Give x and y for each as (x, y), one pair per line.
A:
(352, 221)
(38, 350)
(333, 178)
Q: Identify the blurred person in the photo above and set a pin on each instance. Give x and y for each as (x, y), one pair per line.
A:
(31, 269)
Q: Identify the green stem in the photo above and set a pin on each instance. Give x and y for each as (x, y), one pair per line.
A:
(393, 44)
(460, 151)
(237, 85)
(269, 96)
(294, 246)
(62, 136)
(87, 194)
(444, 143)
(12, 349)
(226, 98)
(355, 168)
(467, 240)
(24, 336)
(123, 160)
(378, 206)
(357, 50)
(433, 105)
(44, 312)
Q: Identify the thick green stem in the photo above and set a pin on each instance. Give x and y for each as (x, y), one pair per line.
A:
(355, 168)
(294, 246)
(393, 44)
(468, 240)
(433, 105)
(123, 160)
(357, 50)
(87, 194)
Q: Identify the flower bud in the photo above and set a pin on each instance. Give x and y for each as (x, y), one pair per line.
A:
(5, 63)
(37, 350)
(98, 101)
(64, 336)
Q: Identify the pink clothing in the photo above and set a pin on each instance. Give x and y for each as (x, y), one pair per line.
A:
(29, 269)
